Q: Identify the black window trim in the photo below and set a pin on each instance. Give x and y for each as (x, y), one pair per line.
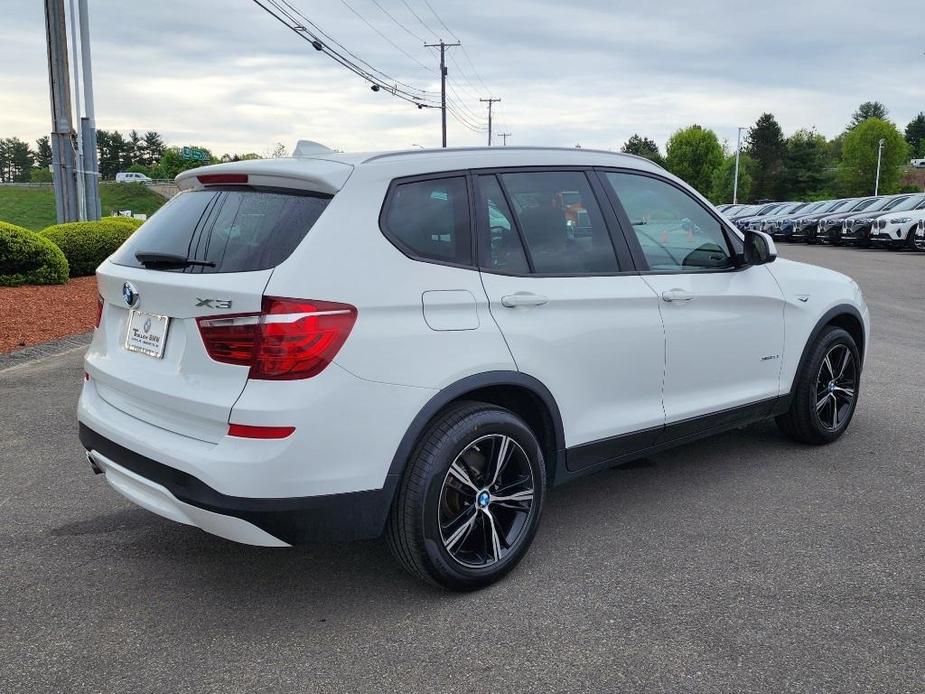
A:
(406, 250)
(734, 243)
(621, 250)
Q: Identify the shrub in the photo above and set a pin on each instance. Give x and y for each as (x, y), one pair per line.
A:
(28, 258)
(87, 244)
(122, 222)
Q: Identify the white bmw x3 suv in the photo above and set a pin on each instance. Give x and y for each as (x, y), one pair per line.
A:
(419, 344)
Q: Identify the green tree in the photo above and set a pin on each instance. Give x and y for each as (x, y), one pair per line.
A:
(154, 148)
(915, 136)
(15, 160)
(724, 179)
(869, 109)
(43, 152)
(112, 150)
(765, 145)
(858, 167)
(134, 149)
(643, 147)
(694, 154)
(172, 162)
(805, 165)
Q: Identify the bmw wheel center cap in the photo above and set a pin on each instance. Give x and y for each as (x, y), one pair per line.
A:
(484, 498)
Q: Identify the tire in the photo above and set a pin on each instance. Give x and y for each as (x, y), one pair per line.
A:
(822, 406)
(918, 242)
(910, 239)
(441, 521)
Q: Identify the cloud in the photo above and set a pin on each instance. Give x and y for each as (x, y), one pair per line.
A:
(227, 76)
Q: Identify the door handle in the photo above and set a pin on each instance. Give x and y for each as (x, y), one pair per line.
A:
(523, 299)
(677, 295)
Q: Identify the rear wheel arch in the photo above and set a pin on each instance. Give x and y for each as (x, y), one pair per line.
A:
(523, 395)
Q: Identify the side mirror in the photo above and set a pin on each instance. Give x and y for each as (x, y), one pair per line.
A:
(759, 248)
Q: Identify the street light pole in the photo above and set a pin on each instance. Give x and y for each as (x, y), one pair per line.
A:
(62, 150)
(879, 155)
(735, 180)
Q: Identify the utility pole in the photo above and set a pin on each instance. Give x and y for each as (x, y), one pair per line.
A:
(879, 154)
(735, 180)
(90, 163)
(79, 178)
(442, 46)
(504, 137)
(490, 101)
(62, 149)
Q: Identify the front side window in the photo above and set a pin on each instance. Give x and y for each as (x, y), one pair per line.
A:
(560, 223)
(500, 249)
(675, 232)
(430, 220)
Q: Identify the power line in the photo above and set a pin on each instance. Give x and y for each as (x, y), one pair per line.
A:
(418, 17)
(377, 78)
(394, 45)
(392, 17)
(330, 38)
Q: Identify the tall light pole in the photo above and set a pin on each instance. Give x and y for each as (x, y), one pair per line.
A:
(879, 155)
(442, 46)
(62, 150)
(735, 180)
(90, 163)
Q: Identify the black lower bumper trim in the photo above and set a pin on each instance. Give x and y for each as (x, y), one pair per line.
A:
(296, 520)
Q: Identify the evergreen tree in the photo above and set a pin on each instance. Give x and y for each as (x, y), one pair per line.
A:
(643, 147)
(869, 109)
(805, 165)
(134, 148)
(154, 148)
(43, 152)
(765, 145)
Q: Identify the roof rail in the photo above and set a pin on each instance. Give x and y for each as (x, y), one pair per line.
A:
(386, 155)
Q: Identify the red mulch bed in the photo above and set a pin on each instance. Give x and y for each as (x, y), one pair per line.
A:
(31, 315)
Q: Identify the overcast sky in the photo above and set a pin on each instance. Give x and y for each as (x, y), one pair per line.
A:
(226, 75)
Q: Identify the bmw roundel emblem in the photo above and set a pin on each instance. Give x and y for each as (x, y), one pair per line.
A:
(147, 325)
(129, 294)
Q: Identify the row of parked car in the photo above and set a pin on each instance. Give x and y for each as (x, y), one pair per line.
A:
(893, 221)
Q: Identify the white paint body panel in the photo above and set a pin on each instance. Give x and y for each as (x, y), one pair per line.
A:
(598, 344)
(724, 346)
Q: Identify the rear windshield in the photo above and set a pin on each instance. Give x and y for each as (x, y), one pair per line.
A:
(225, 230)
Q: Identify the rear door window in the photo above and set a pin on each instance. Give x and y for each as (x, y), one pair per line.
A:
(560, 222)
(225, 230)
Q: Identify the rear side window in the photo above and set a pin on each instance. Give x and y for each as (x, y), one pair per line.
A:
(429, 220)
(225, 230)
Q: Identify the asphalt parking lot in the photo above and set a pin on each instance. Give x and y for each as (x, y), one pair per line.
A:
(742, 563)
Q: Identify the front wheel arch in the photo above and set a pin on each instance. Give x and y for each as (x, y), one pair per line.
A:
(844, 316)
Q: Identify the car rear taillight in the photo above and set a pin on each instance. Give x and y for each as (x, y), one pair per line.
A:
(99, 309)
(289, 339)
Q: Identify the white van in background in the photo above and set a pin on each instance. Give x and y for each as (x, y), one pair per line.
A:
(131, 177)
(918, 163)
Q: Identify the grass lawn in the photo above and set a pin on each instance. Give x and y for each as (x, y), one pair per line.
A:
(33, 207)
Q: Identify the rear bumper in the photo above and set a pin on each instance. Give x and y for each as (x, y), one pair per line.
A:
(276, 522)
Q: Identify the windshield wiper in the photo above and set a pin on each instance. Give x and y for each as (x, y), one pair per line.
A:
(147, 258)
